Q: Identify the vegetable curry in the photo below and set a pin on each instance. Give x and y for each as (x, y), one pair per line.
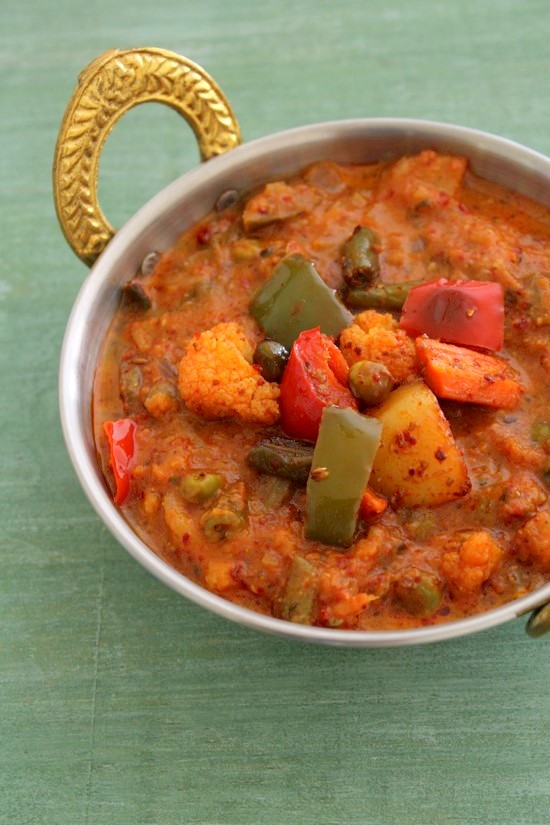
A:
(330, 400)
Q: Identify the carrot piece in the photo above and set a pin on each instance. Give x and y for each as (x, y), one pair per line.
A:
(461, 374)
(372, 505)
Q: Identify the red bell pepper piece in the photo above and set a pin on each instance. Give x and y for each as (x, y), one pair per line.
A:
(315, 377)
(121, 437)
(470, 313)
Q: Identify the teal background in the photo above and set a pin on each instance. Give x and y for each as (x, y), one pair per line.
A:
(120, 702)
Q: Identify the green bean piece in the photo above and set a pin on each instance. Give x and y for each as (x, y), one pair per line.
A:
(227, 516)
(282, 457)
(382, 296)
(360, 257)
(418, 591)
(271, 357)
(296, 298)
(541, 431)
(298, 599)
(370, 381)
(198, 487)
(274, 492)
(539, 293)
(131, 381)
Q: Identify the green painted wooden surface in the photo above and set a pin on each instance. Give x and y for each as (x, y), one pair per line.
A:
(119, 701)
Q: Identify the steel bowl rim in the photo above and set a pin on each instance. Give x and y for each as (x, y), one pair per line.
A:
(88, 472)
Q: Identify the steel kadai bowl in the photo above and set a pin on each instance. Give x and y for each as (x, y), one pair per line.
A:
(111, 85)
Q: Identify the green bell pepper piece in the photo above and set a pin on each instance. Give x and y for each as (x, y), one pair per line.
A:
(296, 298)
(342, 463)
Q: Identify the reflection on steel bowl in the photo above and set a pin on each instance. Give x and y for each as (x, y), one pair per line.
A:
(318, 408)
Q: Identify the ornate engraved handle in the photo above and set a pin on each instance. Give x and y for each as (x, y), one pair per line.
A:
(539, 622)
(110, 86)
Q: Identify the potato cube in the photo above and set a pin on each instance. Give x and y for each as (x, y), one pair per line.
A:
(418, 463)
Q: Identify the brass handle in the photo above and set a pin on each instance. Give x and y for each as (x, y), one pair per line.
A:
(111, 85)
(539, 622)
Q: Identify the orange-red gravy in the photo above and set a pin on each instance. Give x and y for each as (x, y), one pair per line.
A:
(434, 219)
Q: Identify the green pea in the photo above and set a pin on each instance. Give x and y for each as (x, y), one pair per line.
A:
(164, 388)
(370, 382)
(221, 523)
(540, 431)
(421, 526)
(418, 591)
(227, 516)
(199, 487)
(271, 357)
(161, 399)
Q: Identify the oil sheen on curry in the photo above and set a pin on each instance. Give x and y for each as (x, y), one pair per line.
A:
(330, 400)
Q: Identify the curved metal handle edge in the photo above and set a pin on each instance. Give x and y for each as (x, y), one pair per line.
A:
(108, 87)
(539, 622)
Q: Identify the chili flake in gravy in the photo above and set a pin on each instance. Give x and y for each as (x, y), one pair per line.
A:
(331, 402)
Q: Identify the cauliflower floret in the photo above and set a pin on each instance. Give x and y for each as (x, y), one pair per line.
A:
(216, 379)
(375, 336)
(474, 564)
(532, 542)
